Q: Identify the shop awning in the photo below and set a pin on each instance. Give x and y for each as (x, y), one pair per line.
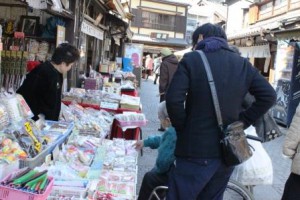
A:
(182, 52)
(288, 34)
(261, 51)
(166, 42)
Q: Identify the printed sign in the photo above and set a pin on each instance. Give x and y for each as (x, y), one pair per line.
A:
(91, 30)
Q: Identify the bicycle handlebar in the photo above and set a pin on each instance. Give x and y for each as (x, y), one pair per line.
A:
(251, 137)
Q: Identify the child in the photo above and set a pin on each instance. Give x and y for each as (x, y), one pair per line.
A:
(165, 144)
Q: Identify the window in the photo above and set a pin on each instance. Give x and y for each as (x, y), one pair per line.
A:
(280, 2)
(266, 7)
(191, 22)
(158, 21)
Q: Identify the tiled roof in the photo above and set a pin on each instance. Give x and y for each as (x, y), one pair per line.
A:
(270, 24)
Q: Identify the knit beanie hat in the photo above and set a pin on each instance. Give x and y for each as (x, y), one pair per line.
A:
(165, 52)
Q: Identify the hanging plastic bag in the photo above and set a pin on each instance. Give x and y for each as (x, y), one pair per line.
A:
(258, 170)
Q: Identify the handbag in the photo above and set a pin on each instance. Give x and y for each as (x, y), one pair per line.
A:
(235, 148)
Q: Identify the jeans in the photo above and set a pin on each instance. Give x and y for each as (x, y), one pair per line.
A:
(198, 178)
(150, 181)
(291, 188)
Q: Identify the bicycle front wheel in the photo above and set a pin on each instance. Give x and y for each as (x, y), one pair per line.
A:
(236, 191)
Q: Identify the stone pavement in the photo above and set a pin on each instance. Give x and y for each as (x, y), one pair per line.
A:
(281, 166)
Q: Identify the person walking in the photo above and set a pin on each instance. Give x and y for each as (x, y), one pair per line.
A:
(167, 69)
(199, 171)
(165, 144)
(42, 87)
(291, 148)
(149, 66)
(157, 63)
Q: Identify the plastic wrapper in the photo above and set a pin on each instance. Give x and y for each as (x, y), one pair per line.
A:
(131, 119)
(258, 169)
(10, 151)
(4, 117)
(12, 106)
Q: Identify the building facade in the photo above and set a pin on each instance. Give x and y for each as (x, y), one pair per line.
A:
(269, 37)
(201, 12)
(159, 24)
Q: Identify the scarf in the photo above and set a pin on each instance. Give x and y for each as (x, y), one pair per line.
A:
(212, 44)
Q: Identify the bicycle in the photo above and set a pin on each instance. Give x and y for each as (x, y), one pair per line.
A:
(233, 191)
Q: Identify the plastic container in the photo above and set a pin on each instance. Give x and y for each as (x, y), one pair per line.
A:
(7, 193)
(36, 161)
(40, 158)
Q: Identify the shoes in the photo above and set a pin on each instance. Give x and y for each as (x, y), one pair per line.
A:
(154, 83)
(161, 129)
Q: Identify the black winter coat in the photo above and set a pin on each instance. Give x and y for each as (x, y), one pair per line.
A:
(190, 105)
(42, 91)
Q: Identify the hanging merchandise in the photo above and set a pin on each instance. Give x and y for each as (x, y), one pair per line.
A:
(51, 27)
(14, 60)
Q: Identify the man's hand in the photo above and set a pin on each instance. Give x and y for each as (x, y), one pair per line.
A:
(138, 145)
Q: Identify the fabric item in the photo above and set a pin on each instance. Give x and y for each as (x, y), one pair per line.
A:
(291, 188)
(167, 69)
(266, 127)
(258, 170)
(165, 52)
(200, 179)
(42, 91)
(165, 145)
(150, 181)
(212, 44)
(190, 105)
(155, 79)
(291, 145)
(157, 63)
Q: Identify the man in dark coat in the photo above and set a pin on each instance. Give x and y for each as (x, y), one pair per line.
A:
(167, 70)
(42, 87)
(199, 171)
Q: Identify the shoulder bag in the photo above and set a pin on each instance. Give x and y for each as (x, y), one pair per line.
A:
(235, 148)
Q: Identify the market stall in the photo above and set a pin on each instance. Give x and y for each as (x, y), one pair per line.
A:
(87, 154)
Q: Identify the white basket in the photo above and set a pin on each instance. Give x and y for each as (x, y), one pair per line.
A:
(74, 193)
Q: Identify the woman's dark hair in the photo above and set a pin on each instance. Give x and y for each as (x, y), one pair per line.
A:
(65, 53)
(208, 30)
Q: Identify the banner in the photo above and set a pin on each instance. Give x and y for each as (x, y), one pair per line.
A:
(135, 52)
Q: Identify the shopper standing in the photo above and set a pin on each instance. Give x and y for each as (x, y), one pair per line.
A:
(167, 70)
(291, 148)
(42, 87)
(199, 171)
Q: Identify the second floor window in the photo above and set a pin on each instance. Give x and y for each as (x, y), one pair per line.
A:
(280, 2)
(266, 7)
(158, 21)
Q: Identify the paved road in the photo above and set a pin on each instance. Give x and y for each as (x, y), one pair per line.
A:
(281, 166)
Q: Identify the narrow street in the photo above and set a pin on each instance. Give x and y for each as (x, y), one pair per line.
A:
(281, 166)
